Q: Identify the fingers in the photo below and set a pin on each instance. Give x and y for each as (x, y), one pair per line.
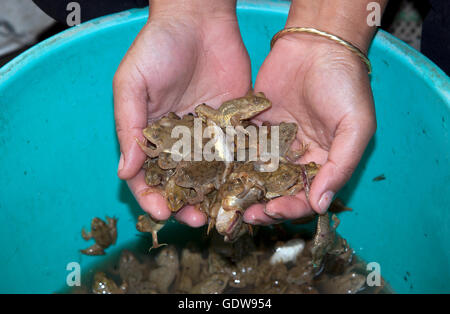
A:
(152, 203)
(130, 112)
(191, 216)
(255, 215)
(345, 153)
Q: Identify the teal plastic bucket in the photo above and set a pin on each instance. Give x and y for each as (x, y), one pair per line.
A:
(59, 156)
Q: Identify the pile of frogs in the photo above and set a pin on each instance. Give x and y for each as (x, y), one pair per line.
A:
(270, 262)
(221, 189)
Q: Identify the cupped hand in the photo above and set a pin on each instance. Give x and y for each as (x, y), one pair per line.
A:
(325, 89)
(178, 60)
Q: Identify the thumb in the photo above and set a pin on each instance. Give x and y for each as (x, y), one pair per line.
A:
(345, 153)
(130, 113)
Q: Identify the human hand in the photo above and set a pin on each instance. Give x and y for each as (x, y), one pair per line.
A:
(188, 53)
(325, 89)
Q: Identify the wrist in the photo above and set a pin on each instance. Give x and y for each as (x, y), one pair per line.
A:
(198, 10)
(344, 18)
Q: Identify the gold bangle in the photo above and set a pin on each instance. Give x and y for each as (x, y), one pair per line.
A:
(334, 38)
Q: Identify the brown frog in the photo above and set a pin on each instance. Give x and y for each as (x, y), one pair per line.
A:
(168, 268)
(154, 174)
(215, 284)
(192, 264)
(288, 179)
(147, 224)
(131, 270)
(166, 162)
(202, 176)
(232, 112)
(229, 219)
(177, 196)
(325, 239)
(104, 285)
(159, 134)
(103, 233)
(287, 133)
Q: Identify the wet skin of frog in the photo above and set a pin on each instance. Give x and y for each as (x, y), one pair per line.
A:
(177, 196)
(326, 241)
(288, 179)
(104, 285)
(131, 270)
(213, 285)
(232, 112)
(202, 176)
(103, 233)
(159, 134)
(229, 219)
(348, 283)
(154, 174)
(168, 268)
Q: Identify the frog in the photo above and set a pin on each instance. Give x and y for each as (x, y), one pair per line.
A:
(131, 270)
(147, 224)
(166, 162)
(202, 176)
(104, 234)
(177, 196)
(229, 219)
(215, 284)
(288, 179)
(210, 207)
(168, 268)
(347, 283)
(233, 112)
(159, 134)
(104, 285)
(325, 239)
(287, 134)
(154, 174)
(191, 264)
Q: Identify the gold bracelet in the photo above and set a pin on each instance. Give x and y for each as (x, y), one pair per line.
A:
(334, 38)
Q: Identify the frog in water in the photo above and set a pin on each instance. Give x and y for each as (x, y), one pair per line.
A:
(232, 112)
(103, 233)
(326, 241)
(104, 285)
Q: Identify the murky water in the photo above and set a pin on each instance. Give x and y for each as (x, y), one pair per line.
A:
(246, 266)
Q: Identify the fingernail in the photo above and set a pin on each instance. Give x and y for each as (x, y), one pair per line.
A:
(272, 215)
(121, 162)
(325, 201)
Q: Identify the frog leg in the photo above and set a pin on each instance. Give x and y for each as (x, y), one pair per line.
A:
(147, 150)
(86, 235)
(235, 122)
(305, 180)
(211, 223)
(156, 244)
(336, 221)
(294, 154)
(250, 230)
(94, 249)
